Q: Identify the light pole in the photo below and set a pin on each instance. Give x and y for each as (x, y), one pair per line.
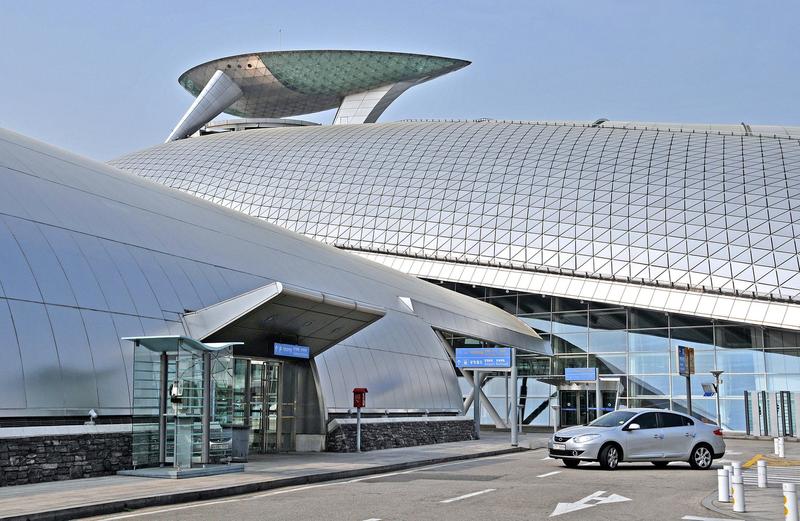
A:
(717, 382)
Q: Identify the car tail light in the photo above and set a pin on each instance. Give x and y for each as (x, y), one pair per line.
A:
(718, 432)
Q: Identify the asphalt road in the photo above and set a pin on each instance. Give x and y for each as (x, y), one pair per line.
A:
(515, 486)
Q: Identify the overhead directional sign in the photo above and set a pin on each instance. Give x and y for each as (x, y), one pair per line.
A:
(292, 350)
(589, 501)
(483, 358)
(580, 374)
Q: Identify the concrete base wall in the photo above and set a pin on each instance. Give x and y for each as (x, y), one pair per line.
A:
(50, 458)
(389, 433)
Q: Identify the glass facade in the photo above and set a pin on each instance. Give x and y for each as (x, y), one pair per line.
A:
(640, 347)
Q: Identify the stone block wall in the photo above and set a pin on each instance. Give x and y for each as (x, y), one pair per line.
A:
(388, 435)
(50, 458)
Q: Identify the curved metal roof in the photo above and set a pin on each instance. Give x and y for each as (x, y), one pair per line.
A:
(287, 83)
(693, 210)
(90, 254)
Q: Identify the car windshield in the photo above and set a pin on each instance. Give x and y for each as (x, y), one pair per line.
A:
(613, 419)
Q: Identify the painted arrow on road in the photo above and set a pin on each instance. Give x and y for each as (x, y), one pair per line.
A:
(589, 501)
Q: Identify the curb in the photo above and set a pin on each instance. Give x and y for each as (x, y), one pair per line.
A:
(708, 503)
(121, 505)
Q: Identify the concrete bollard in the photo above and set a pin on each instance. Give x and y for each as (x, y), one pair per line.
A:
(781, 447)
(723, 486)
(762, 473)
(775, 446)
(738, 494)
(790, 502)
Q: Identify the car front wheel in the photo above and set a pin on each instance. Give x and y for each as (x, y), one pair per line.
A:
(609, 457)
(701, 457)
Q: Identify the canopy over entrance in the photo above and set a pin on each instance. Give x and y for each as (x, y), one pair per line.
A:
(277, 310)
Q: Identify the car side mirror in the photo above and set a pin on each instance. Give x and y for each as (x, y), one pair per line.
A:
(633, 427)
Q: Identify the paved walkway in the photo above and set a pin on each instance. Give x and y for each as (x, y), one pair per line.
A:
(760, 504)
(94, 496)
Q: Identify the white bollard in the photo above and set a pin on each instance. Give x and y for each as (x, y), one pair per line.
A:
(781, 447)
(738, 493)
(775, 445)
(737, 468)
(762, 473)
(723, 486)
(790, 502)
(729, 468)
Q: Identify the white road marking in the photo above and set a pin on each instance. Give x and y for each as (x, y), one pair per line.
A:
(373, 519)
(731, 453)
(298, 489)
(549, 474)
(173, 509)
(596, 499)
(546, 458)
(465, 496)
(696, 518)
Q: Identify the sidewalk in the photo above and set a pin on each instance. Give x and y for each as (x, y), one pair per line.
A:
(760, 504)
(97, 496)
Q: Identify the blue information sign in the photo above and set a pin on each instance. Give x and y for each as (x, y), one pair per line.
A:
(580, 374)
(483, 358)
(292, 350)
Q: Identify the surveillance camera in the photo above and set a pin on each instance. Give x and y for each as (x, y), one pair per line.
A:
(92, 414)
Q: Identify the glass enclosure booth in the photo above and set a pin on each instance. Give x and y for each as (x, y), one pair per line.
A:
(183, 407)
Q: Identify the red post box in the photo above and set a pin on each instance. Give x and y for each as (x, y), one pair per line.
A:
(360, 397)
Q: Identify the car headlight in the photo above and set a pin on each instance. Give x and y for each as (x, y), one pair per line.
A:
(585, 438)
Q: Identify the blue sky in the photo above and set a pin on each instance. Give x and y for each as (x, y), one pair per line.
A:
(100, 78)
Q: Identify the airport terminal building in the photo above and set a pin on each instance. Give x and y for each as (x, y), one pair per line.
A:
(616, 241)
(322, 258)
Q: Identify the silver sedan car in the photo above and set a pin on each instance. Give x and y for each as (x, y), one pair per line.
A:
(639, 435)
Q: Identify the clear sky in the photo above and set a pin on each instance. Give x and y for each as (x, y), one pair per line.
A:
(100, 77)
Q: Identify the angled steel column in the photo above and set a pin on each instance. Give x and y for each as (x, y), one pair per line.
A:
(219, 93)
(366, 107)
(498, 421)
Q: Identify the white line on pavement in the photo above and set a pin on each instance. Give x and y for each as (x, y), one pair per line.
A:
(465, 496)
(549, 474)
(373, 519)
(697, 518)
(546, 458)
(298, 489)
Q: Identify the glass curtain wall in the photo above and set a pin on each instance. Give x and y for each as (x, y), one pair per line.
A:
(640, 347)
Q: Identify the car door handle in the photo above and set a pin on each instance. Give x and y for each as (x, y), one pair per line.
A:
(690, 435)
(659, 436)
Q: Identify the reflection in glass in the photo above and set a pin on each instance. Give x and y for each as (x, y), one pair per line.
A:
(649, 363)
(570, 322)
(652, 340)
(608, 341)
(570, 343)
(782, 360)
(648, 385)
(609, 364)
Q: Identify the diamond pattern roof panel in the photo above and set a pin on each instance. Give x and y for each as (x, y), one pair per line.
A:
(713, 211)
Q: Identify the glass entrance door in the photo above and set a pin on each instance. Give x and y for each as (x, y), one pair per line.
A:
(579, 406)
(264, 411)
(573, 407)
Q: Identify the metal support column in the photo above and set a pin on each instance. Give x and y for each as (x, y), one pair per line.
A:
(689, 395)
(162, 411)
(513, 421)
(598, 399)
(476, 404)
(206, 420)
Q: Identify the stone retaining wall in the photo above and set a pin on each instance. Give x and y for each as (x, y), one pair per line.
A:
(388, 435)
(49, 458)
